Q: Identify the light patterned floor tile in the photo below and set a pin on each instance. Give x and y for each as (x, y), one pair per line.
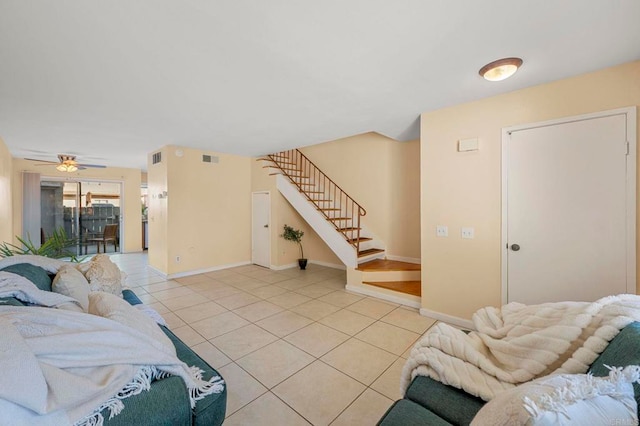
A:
(347, 321)
(171, 293)
(199, 312)
(211, 354)
(284, 323)
(292, 284)
(257, 311)
(267, 291)
(409, 320)
(192, 279)
(266, 410)
(316, 339)
(188, 335)
(314, 291)
(340, 298)
(372, 308)
(315, 309)
(159, 286)
(388, 383)
(366, 410)
(218, 325)
(237, 300)
(275, 362)
(240, 342)
(241, 387)
(388, 337)
(327, 392)
(180, 302)
(289, 300)
(172, 320)
(360, 360)
(219, 293)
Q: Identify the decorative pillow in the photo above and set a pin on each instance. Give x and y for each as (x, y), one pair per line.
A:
(35, 274)
(114, 308)
(102, 274)
(70, 282)
(576, 399)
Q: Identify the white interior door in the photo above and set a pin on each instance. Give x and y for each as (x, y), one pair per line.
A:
(569, 210)
(261, 234)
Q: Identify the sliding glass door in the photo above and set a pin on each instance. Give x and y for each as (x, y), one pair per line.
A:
(87, 210)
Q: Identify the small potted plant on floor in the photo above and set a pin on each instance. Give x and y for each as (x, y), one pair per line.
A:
(295, 235)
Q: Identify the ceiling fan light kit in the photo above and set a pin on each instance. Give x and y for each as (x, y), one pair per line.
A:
(67, 163)
(500, 69)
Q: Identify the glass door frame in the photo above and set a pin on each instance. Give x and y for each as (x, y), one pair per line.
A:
(76, 223)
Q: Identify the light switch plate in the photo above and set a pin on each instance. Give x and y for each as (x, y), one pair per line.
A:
(442, 231)
(467, 233)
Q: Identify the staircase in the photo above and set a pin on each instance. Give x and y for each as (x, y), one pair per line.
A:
(332, 213)
(337, 219)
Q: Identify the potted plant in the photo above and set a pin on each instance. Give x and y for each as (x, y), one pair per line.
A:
(295, 235)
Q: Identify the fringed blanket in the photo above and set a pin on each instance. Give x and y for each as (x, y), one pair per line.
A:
(519, 343)
(63, 367)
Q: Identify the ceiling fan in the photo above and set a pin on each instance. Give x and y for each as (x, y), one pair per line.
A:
(67, 163)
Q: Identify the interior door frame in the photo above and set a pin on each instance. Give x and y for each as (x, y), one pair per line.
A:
(268, 193)
(79, 179)
(630, 113)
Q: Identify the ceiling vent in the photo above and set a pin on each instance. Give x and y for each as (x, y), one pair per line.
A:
(210, 159)
(157, 158)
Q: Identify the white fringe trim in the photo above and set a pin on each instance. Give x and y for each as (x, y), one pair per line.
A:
(198, 389)
(590, 387)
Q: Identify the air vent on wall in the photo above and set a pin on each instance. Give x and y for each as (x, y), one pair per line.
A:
(210, 159)
(157, 157)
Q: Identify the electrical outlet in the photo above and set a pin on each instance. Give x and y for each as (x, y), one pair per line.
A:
(442, 231)
(467, 233)
(177, 259)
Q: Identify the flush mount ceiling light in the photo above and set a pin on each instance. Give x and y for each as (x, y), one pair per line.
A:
(500, 69)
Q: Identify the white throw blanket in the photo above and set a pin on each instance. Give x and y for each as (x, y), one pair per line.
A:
(519, 343)
(63, 367)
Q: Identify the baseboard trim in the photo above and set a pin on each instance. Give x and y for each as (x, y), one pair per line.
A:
(283, 267)
(158, 271)
(315, 262)
(205, 270)
(328, 265)
(388, 296)
(449, 319)
(415, 260)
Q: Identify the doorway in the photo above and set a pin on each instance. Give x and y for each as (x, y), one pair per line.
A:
(569, 208)
(260, 229)
(84, 209)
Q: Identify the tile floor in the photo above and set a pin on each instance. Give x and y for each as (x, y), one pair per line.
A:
(294, 347)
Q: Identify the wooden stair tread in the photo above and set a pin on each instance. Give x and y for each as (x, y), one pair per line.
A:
(355, 240)
(339, 218)
(413, 288)
(369, 252)
(388, 265)
(349, 228)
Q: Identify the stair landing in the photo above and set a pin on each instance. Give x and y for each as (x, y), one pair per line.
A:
(401, 277)
(388, 265)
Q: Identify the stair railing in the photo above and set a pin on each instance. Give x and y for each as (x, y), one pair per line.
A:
(293, 161)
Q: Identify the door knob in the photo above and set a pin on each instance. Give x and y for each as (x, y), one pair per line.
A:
(266, 226)
(515, 247)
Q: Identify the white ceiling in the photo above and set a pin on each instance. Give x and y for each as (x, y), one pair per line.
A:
(112, 81)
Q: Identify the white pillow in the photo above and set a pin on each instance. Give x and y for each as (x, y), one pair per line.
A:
(103, 275)
(70, 282)
(563, 399)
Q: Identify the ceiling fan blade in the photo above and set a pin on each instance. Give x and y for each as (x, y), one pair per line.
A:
(95, 166)
(42, 161)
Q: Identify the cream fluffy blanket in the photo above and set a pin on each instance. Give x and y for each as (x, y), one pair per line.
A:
(519, 343)
(62, 367)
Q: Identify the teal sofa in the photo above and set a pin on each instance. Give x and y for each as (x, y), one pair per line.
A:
(167, 401)
(429, 402)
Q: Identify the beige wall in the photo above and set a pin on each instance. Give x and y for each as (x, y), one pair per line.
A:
(130, 178)
(207, 214)
(284, 253)
(6, 202)
(464, 189)
(382, 175)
